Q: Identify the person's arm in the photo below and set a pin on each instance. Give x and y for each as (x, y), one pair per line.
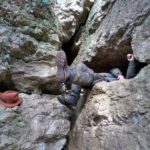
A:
(131, 71)
(109, 77)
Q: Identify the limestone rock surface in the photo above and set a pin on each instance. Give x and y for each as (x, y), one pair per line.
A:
(70, 15)
(141, 41)
(29, 41)
(115, 116)
(39, 123)
(35, 76)
(109, 30)
(31, 32)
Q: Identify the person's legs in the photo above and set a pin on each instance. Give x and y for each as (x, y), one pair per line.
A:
(98, 77)
(132, 67)
(80, 74)
(72, 98)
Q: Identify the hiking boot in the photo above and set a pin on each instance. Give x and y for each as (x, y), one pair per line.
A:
(68, 100)
(61, 63)
(72, 98)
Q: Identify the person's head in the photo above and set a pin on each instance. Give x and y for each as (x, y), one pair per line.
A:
(115, 72)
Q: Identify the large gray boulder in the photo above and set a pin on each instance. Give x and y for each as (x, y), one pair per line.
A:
(141, 41)
(39, 123)
(107, 39)
(115, 116)
(70, 14)
(35, 76)
(30, 42)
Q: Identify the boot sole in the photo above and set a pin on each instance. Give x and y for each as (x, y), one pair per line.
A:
(66, 104)
(61, 63)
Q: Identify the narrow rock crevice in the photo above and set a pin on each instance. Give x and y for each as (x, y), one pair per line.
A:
(69, 47)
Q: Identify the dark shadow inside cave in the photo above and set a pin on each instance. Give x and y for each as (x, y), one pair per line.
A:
(69, 48)
(3, 87)
(7, 84)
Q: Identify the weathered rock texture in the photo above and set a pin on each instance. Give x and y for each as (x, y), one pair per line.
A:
(141, 41)
(116, 116)
(31, 32)
(30, 40)
(109, 31)
(40, 123)
(70, 15)
(30, 36)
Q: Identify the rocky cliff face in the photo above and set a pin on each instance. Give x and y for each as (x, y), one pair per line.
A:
(39, 123)
(99, 33)
(116, 114)
(114, 29)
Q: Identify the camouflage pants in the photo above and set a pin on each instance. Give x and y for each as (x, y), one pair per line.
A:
(84, 76)
(81, 75)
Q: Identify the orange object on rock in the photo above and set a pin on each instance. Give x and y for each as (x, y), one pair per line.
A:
(10, 99)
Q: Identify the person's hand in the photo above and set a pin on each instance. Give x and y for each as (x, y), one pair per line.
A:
(120, 77)
(130, 57)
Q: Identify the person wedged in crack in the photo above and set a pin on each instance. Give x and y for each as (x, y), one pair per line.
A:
(82, 76)
(79, 76)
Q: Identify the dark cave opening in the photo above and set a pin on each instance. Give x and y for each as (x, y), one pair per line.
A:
(4, 86)
(7, 84)
(104, 65)
(69, 48)
(121, 65)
